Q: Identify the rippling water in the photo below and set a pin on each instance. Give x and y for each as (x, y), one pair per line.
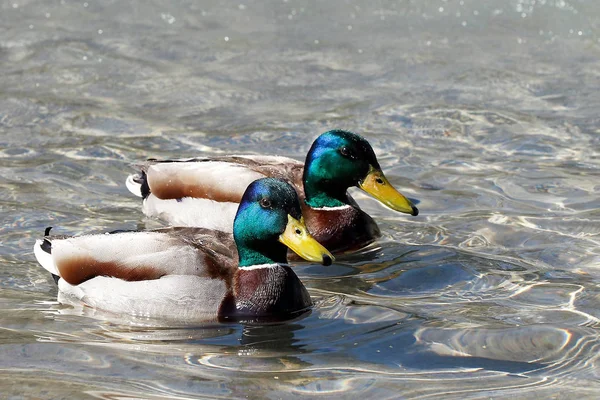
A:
(484, 111)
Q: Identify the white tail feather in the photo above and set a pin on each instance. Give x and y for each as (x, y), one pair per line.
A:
(133, 186)
(44, 259)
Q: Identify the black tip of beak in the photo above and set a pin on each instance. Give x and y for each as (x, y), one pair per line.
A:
(415, 211)
(327, 260)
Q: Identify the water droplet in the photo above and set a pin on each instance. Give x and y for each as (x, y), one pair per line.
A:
(168, 18)
(428, 43)
(15, 5)
(349, 27)
(475, 12)
(580, 33)
(316, 41)
(464, 23)
(441, 9)
(84, 58)
(360, 51)
(48, 15)
(290, 16)
(226, 38)
(30, 26)
(100, 31)
(242, 6)
(85, 4)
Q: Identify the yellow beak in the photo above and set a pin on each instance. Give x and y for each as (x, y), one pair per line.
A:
(377, 185)
(297, 238)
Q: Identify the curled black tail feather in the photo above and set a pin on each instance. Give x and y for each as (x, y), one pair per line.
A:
(47, 245)
(145, 188)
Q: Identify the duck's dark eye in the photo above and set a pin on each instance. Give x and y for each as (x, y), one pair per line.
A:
(265, 203)
(345, 151)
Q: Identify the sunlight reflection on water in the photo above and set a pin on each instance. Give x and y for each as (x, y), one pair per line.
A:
(484, 112)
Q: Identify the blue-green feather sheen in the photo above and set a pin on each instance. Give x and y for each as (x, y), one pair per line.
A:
(256, 229)
(328, 174)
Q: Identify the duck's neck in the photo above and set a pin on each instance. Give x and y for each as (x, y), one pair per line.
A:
(324, 193)
(262, 253)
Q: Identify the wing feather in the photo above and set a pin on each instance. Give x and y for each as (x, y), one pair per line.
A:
(138, 256)
(213, 180)
(221, 179)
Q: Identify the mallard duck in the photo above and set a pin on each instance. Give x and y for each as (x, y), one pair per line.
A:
(194, 272)
(205, 191)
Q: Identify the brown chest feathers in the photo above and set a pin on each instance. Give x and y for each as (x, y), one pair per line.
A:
(339, 230)
(265, 291)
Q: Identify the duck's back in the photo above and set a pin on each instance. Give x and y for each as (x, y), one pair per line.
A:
(139, 256)
(206, 191)
(219, 178)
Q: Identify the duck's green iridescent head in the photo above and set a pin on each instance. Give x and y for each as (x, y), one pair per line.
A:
(268, 221)
(340, 159)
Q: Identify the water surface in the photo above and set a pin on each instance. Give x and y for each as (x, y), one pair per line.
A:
(484, 111)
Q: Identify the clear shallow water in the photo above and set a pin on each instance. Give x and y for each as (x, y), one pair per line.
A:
(486, 112)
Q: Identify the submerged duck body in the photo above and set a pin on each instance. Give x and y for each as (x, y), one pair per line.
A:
(205, 191)
(193, 273)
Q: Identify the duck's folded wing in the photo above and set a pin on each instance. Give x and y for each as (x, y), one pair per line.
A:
(222, 179)
(138, 256)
